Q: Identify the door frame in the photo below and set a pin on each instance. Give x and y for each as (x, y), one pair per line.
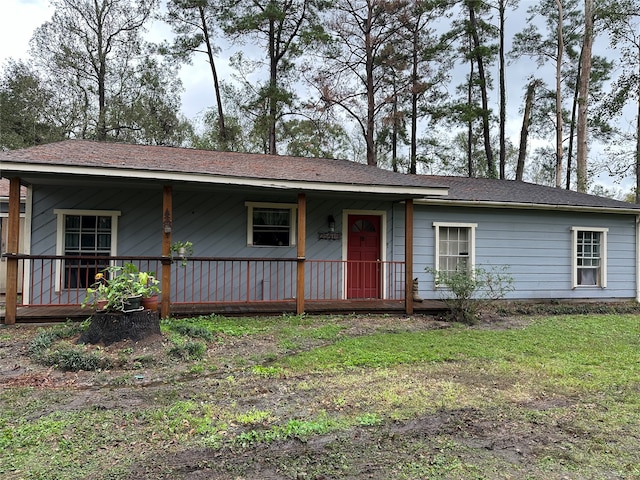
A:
(383, 246)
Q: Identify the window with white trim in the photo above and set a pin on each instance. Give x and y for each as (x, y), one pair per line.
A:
(271, 224)
(87, 233)
(589, 257)
(455, 246)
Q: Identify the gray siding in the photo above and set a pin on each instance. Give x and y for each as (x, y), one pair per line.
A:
(535, 245)
(139, 225)
(216, 223)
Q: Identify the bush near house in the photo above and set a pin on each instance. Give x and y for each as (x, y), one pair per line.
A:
(465, 291)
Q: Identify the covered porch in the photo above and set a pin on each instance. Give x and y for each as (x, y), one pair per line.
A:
(272, 234)
(50, 287)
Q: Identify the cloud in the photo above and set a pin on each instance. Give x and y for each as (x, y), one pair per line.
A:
(18, 21)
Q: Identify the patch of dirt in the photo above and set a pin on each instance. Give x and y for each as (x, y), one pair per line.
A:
(367, 453)
(143, 371)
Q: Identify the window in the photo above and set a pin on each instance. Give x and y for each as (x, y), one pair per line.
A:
(455, 246)
(84, 233)
(589, 257)
(271, 224)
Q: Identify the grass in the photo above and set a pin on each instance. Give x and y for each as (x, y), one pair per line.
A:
(564, 389)
(580, 351)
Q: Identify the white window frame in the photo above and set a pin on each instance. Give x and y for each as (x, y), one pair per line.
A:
(472, 242)
(293, 209)
(603, 256)
(61, 213)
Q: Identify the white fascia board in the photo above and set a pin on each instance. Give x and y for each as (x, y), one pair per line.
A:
(525, 206)
(225, 180)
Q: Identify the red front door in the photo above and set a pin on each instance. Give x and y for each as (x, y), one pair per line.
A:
(363, 255)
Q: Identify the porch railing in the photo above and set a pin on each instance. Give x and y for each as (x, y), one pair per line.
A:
(62, 280)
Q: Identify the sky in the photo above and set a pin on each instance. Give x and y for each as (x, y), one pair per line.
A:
(19, 18)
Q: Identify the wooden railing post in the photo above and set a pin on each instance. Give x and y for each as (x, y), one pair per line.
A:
(302, 235)
(13, 245)
(408, 256)
(167, 226)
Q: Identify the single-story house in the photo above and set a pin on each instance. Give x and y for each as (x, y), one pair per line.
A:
(300, 234)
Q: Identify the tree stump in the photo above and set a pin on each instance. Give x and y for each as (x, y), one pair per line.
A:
(111, 327)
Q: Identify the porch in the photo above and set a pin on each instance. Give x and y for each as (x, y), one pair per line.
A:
(53, 287)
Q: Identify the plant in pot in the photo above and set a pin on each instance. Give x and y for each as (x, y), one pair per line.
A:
(148, 286)
(97, 293)
(122, 287)
(123, 290)
(181, 251)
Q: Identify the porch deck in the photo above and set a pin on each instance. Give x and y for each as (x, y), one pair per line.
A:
(53, 287)
(61, 313)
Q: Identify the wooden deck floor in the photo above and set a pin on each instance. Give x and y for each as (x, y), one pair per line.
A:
(56, 313)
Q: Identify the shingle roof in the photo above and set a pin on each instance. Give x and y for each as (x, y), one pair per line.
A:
(130, 160)
(487, 190)
(206, 162)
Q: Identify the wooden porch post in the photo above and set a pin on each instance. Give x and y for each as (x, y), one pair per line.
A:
(13, 243)
(167, 220)
(408, 256)
(302, 235)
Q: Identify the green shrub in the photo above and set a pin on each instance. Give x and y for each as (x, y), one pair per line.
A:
(464, 291)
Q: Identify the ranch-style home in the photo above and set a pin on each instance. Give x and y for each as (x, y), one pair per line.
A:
(278, 233)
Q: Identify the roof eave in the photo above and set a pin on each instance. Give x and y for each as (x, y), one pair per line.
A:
(527, 206)
(157, 175)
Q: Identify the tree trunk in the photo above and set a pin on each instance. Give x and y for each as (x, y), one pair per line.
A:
(559, 97)
(524, 132)
(111, 327)
(273, 83)
(371, 103)
(394, 132)
(413, 168)
(101, 73)
(572, 126)
(491, 166)
(638, 153)
(207, 40)
(470, 169)
(503, 95)
(583, 97)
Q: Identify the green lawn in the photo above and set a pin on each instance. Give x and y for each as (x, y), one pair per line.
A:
(550, 397)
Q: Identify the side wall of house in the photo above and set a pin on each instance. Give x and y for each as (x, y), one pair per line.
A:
(534, 245)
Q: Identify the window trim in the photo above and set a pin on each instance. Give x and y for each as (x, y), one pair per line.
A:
(603, 256)
(472, 242)
(293, 209)
(61, 213)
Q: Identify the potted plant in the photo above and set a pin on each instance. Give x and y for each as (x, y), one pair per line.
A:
(97, 293)
(123, 292)
(181, 251)
(123, 288)
(148, 286)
